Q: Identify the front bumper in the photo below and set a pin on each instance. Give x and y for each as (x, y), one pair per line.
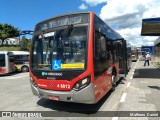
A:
(86, 95)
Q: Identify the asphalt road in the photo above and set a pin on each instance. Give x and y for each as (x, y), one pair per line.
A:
(140, 91)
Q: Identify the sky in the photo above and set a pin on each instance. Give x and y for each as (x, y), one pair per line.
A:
(124, 16)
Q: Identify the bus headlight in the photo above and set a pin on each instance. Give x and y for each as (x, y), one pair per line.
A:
(82, 84)
(32, 81)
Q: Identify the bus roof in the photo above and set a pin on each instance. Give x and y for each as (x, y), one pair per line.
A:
(4, 52)
(72, 13)
(20, 52)
(44, 25)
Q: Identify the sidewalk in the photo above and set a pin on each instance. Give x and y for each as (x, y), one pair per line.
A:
(144, 91)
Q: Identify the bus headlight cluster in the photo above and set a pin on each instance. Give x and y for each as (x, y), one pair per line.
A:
(82, 84)
(33, 82)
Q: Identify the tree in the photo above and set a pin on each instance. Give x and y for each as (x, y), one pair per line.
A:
(25, 43)
(8, 31)
(29, 44)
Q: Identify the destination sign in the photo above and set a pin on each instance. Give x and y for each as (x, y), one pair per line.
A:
(62, 21)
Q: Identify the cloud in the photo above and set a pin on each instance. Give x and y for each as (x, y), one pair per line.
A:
(132, 35)
(94, 2)
(140, 42)
(125, 21)
(126, 17)
(125, 10)
(121, 7)
(149, 38)
(152, 12)
(83, 7)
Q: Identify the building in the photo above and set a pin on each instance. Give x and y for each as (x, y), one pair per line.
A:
(10, 41)
(157, 46)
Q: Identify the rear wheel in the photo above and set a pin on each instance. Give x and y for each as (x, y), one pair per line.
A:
(16, 69)
(25, 69)
(113, 80)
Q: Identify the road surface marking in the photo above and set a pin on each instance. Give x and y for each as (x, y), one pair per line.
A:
(128, 84)
(114, 118)
(123, 97)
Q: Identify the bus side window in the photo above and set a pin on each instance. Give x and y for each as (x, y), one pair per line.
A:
(103, 50)
(117, 50)
(102, 53)
(100, 46)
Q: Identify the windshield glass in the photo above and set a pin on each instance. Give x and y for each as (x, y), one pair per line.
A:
(60, 49)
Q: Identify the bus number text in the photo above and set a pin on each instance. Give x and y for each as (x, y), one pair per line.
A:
(63, 86)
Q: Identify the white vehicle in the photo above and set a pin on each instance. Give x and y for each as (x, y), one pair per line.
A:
(21, 60)
(6, 62)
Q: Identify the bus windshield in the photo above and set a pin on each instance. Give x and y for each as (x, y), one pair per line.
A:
(60, 49)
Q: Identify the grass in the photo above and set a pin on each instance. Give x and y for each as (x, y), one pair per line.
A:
(10, 48)
(158, 64)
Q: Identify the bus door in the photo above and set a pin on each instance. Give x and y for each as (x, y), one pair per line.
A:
(122, 56)
(125, 57)
(11, 65)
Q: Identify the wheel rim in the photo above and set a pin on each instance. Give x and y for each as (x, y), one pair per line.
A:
(24, 69)
(113, 80)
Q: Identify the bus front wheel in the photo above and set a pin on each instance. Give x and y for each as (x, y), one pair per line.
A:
(25, 69)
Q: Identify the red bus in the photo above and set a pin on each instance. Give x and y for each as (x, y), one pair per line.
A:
(7, 64)
(75, 58)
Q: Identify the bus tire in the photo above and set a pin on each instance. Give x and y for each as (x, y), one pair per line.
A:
(25, 69)
(16, 69)
(113, 80)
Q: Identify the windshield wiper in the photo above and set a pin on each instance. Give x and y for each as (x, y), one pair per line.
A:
(67, 32)
(63, 35)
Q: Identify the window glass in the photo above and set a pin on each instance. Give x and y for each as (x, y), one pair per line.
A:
(2, 60)
(65, 48)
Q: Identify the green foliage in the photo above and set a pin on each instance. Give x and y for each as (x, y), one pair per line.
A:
(158, 64)
(29, 44)
(25, 44)
(10, 48)
(8, 31)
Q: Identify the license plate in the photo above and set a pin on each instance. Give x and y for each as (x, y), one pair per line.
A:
(53, 97)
